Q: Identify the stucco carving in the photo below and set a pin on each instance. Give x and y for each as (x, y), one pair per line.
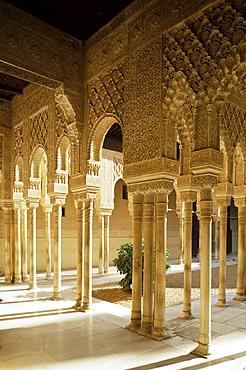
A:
(106, 95)
(151, 187)
(38, 128)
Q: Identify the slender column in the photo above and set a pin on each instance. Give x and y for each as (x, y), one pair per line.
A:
(216, 237)
(137, 222)
(159, 331)
(88, 218)
(48, 210)
(32, 246)
(24, 244)
(186, 314)
(240, 294)
(57, 251)
(181, 239)
(7, 246)
(101, 244)
(204, 345)
(106, 243)
(80, 260)
(17, 224)
(12, 227)
(223, 242)
(147, 320)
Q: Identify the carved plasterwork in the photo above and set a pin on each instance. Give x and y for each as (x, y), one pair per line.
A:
(38, 128)
(160, 166)
(106, 95)
(19, 140)
(207, 158)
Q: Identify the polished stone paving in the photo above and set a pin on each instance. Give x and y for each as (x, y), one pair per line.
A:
(38, 333)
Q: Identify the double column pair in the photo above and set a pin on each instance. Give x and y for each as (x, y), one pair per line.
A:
(84, 262)
(149, 211)
(15, 249)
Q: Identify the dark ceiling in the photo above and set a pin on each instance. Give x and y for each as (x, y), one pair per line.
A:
(79, 18)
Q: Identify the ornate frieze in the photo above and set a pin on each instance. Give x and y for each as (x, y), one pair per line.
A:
(233, 123)
(206, 160)
(163, 166)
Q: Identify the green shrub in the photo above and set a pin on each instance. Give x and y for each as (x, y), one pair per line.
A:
(124, 263)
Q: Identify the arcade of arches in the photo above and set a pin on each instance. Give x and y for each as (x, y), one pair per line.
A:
(137, 132)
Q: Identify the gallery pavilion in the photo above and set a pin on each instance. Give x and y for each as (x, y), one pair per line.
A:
(138, 131)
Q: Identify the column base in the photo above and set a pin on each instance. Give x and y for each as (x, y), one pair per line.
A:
(48, 277)
(239, 297)
(77, 305)
(146, 328)
(86, 306)
(17, 280)
(33, 287)
(161, 333)
(56, 296)
(134, 325)
(202, 350)
(221, 303)
(186, 315)
(8, 281)
(25, 279)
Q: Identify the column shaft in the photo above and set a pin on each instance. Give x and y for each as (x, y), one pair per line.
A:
(147, 320)
(186, 314)
(159, 331)
(24, 246)
(48, 245)
(240, 295)
(106, 243)
(101, 245)
(204, 345)
(7, 247)
(32, 249)
(88, 218)
(80, 260)
(223, 241)
(17, 222)
(57, 251)
(137, 223)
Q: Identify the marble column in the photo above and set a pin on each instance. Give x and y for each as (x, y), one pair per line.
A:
(240, 293)
(204, 343)
(24, 244)
(32, 245)
(57, 208)
(137, 224)
(101, 245)
(47, 212)
(88, 219)
(147, 319)
(106, 243)
(17, 225)
(216, 234)
(181, 239)
(159, 332)
(223, 244)
(186, 314)
(7, 246)
(80, 258)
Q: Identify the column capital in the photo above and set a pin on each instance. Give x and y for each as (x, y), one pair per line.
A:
(32, 203)
(188, 196)
(58, 200)
(223, 201)
(151, 187)
(224, 189)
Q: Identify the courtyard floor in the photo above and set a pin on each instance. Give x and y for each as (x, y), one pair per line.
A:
(38, 333)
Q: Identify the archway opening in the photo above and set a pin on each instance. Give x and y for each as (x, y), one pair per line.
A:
(113, 138)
